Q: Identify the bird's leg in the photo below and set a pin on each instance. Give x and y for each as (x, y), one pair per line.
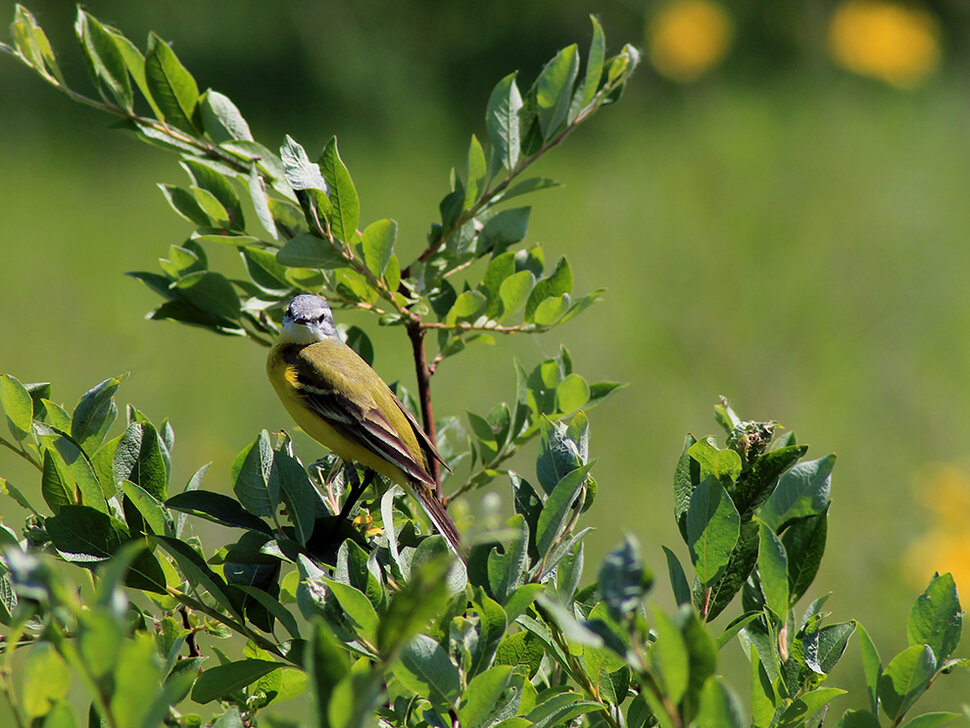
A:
(357, 489)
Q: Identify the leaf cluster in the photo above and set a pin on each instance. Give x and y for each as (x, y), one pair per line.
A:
(372, 617)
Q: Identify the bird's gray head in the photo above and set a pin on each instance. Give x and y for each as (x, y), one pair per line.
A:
(308, 319)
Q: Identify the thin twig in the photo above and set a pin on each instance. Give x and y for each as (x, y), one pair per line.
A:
(22, 453)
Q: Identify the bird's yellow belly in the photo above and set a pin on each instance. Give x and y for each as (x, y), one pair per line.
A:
(317, 428)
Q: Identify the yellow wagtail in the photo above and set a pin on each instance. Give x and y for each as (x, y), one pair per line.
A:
(342, 403)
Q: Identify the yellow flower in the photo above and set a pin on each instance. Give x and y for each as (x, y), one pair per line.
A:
(365, 524)
(945, 490)
(688, 38)
(897, 44)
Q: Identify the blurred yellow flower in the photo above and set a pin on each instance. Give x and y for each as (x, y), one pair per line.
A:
(895, 43)
(945, 490)
(688, 38)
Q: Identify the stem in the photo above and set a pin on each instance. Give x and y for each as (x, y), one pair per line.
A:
(423, 373)
(466, 326)
(705, 604)
(231, 623)
(489, 195)
(191, 641)
(22, 453)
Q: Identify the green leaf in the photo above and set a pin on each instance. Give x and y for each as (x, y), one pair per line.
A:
(171, 85)
(139, 458)
(713, 528)
(669, 657)
(355, 604)
(514, 291)
(425, 669)
(32, 44)
(623, 578)
(17, 406)
(253, 484)
(219, 186)
(555, 285)
(86, 535)
(148, 506)
(560, 708)
(104, 59)
(45, 679)
(94, 415)
(355, 700)
(678, 580)
(804, 542)
(858, 719)
(378, 242)
(218, 508)
(309, 251)
(554, 89)
(186, 205)
(558, 508)
(521, 648)
(503, 229)
(701, 655)
(572, 393)
(221, 119)
(343, 195)
(551, 310)
(476, 177)
(482, 697)
(871, 666)
(297, 493)
(773, 570)
(716, 463)
(905, 678)
(936, 618)
(57, 485)
(467, 306)
(719, 707)
(824, 647)
(422, 598)
(265, 270)
(224, 680)
(931, 720)
(92, 493)
(502, 121)
(326, 664)
(594, 62)
(507, 571)
(533, 184)
(99, 634)
(492, 623)
(261, 203)
(198, 573)
(802, 491)
(302, 174)
(806, 705)
(212, 293)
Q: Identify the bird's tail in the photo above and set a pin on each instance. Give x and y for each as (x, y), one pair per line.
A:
(439, 517)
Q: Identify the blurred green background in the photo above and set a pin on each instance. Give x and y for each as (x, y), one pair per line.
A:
(779, 230)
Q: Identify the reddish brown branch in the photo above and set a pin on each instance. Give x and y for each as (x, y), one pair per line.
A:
(423, 373)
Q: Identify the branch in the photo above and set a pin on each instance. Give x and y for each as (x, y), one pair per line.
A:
(423, 373)
(491, 195)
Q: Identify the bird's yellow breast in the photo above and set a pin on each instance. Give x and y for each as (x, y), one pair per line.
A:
(284, 378)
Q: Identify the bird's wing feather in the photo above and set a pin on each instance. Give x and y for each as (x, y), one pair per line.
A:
(360, 420)
(430, 448)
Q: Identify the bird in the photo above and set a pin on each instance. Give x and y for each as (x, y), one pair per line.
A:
(342, 403)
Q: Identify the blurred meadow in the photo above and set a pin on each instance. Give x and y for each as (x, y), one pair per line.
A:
(777, 207)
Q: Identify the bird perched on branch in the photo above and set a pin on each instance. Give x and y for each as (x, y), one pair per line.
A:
(342, 403)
